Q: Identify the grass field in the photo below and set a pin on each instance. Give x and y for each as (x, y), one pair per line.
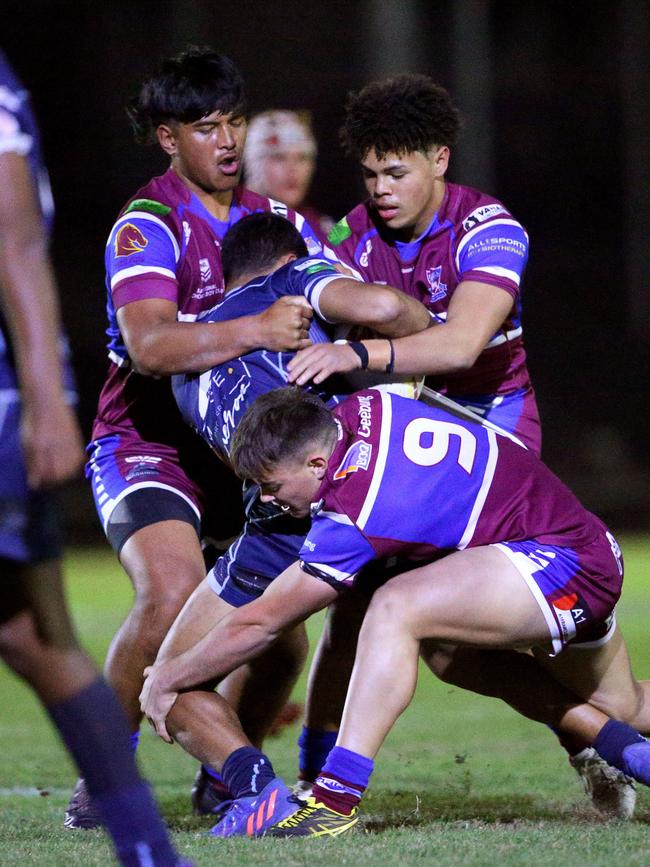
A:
(461, 780)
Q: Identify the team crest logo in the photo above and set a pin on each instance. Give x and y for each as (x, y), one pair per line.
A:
(129, 240)
(206, 270)
(356, 458)
(437, 290)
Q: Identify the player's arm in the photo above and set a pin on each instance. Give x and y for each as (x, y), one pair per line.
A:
(476, 311)
(50, 435)
(380, 308)
(159, 345)
(239, 637)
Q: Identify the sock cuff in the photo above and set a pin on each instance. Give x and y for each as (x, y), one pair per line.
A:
(613, 738)
(350, 766)
(316, 738)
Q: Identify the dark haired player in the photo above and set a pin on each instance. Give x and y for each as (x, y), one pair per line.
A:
(457, 250)
(462, 254)
(510, 529)
(264, 258)
(151, 475)
(40, 447)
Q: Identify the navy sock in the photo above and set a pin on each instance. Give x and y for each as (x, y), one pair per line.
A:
(315, 746)
(246, 772)
(94, 729)
(624, 748)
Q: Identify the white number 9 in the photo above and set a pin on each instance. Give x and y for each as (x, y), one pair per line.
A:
(442, 431)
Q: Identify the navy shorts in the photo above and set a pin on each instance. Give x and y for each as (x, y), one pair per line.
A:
(269, 544)
(30, 526)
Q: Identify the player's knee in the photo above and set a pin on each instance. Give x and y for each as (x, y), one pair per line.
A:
(387, 609)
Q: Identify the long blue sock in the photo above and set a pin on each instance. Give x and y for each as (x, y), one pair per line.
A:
(315, 746)
(624, 748)
(94, 729)
(246, 772)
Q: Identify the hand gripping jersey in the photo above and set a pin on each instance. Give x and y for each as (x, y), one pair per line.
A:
(166, 245)
(214, 402)
(409, 480)
(472, 237)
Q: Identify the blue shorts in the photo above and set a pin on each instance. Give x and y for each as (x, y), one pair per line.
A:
(138, 483)
(575, 588)
(30, 527)
(269, 544)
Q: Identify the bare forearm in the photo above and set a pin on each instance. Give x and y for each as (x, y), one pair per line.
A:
(218, 653)
(30, 306)
(434, 351)
(192, 347)
(410, 317)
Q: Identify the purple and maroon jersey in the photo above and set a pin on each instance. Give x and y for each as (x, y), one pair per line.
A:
(408, 480)
(165, 244)
(471, 237)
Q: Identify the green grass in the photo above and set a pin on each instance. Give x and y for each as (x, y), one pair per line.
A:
(461, 779)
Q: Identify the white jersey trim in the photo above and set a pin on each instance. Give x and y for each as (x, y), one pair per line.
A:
(138, 270)
(315, 290)
(481, 497)
(497, 271)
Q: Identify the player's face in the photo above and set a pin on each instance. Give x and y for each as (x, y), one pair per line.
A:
(207, 153)
(406, 189)
(287, 176)
(292, 485)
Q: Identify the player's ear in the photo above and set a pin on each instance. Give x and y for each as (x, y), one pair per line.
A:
(318, 465)
(166, 138)
(439, 160)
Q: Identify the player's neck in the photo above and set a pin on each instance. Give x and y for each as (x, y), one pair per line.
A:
(217, 202)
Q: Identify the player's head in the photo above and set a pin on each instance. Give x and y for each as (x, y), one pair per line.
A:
(194, 105)
(259, 244)
(284, 442)
(401, 130)
(280, 156)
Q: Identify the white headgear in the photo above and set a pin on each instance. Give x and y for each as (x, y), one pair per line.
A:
(276, 131)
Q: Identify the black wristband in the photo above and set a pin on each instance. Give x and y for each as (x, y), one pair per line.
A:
(390, 367)
(361, 351)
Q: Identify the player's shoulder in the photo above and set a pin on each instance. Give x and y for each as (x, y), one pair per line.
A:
(467, 208)
(355, 223)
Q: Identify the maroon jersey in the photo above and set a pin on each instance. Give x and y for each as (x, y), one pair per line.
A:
(471, 237)
(165, 244)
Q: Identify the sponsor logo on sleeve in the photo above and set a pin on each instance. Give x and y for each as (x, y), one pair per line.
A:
(340, 232)
(149, 205)
(129, 240)
(479, 215)
(363, 261)
(356, 458)
(318, 266)
(437, 289)
(365, 415)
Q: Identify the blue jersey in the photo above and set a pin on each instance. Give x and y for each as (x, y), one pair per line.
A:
(214, 402)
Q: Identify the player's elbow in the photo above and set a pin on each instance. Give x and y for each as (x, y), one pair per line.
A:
(386, 309)
(148, 359)
(462, 356)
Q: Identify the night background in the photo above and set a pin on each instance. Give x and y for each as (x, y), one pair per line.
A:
(556, 125)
